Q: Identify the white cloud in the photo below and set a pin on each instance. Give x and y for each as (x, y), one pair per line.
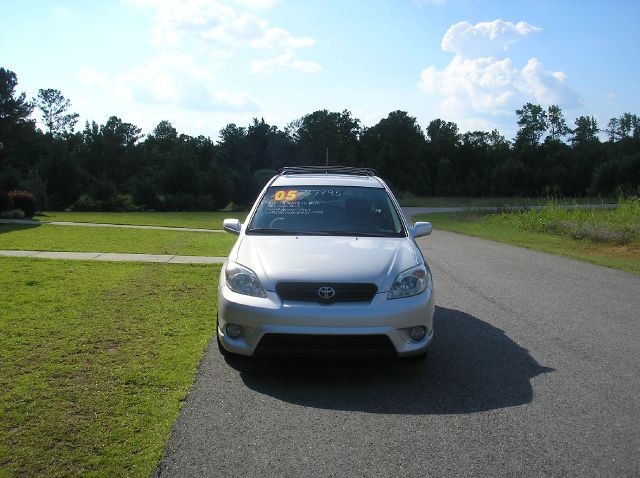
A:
(489, 85)
(480, 84)
(483, 84)
(216, 22)
(286, 59)
(367, 118)
(171, 80)
(247, 29)
(546, 86)
(91, 76)
(258, 4)
(173, 19)
(221, 30)
(485, 38)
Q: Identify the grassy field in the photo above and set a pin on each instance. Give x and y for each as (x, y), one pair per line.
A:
(605, 237)
(471, 202)
(617, 226)
(94, 371)
(103, 239)
(200, 220)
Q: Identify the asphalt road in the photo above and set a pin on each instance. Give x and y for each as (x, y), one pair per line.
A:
(535, 371)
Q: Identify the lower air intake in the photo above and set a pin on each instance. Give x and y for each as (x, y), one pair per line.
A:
(287, 344)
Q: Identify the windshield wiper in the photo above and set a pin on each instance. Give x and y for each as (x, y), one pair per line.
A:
(332, 232)
(269, 230)
(352, 233)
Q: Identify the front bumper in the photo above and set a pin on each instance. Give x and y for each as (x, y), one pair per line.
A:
(270, 315)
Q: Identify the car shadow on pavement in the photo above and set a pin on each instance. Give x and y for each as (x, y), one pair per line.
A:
(472, 367)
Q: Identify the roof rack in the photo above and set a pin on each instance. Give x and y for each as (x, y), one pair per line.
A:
(328, 170)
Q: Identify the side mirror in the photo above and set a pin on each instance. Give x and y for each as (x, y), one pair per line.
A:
(421, 229)
(232, 225)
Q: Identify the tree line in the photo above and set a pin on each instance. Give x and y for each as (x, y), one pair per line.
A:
(113, 166)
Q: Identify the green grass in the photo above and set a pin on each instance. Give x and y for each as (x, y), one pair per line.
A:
(418, 201)
(614, 226)
(107, 239)
(95, 362)
(200, 220)
(625, 257)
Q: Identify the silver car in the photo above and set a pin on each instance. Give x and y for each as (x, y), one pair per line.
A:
(326, 263)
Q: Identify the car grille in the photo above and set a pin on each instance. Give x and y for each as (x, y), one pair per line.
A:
(304, 344)
(309, 292)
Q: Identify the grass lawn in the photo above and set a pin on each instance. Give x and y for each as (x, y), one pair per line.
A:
(107, 239)
(623, 257)
(416, 201)
(93, 372)
(200, 220)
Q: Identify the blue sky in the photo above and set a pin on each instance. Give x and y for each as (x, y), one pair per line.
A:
(203, 64)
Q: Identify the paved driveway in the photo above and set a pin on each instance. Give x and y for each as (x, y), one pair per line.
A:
(534, 372)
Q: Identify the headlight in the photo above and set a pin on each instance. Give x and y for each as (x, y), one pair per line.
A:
(410, 282)
(243, 280)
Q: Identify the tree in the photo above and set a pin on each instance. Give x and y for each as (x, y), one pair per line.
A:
(111, 165)
(442, 154)
(613, 130)
(322, 130)
(511, 178)
(396, 148)
(628, 125)
(557, 124)
(54, 107)
(588, 152)
(12, 109)
(165, 132)
(271, 147)
(479, 152)
(17, 132)
(533, 122)
(164, 137)
(586, 131)
(445, 181)
(234, 155)
(118, 134)
(444, 137)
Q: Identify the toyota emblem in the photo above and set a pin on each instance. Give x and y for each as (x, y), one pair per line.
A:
(326, 292)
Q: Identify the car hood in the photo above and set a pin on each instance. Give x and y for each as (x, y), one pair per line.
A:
(326, 258)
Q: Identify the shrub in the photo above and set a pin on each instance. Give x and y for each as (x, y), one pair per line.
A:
(13, 214)
(232, 207)
(186, 202)
(34, 184)
(87, 203)
(122, 203)
(6, 202)
(25, 201)
(177, 202)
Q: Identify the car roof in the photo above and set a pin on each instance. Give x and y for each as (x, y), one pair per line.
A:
(327, 180)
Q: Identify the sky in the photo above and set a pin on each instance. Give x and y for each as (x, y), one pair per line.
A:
(203, 64)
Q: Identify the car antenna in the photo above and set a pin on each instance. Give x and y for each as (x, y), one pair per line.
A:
(326, 161)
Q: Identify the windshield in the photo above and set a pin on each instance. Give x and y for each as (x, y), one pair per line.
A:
(326, 210)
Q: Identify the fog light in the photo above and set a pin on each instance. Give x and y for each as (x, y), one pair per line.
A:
(234, 331)
(418, 333)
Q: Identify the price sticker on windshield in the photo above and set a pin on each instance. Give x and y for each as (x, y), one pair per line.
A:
(284, 195)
